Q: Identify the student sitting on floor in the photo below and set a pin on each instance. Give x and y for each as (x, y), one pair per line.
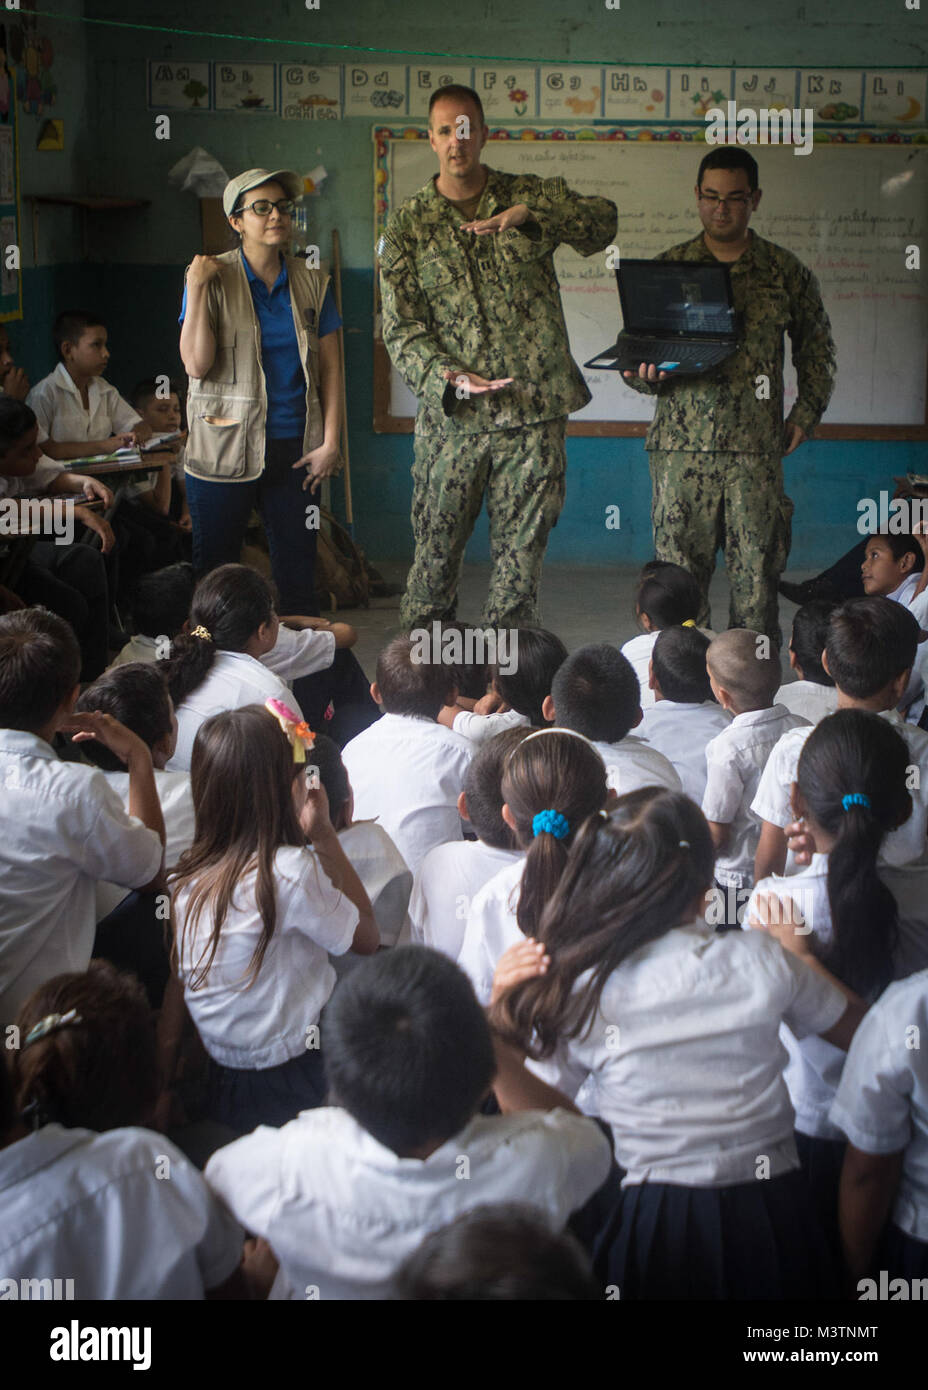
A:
(595, 693)
(345, 1193)
(685, 716)
(450, 876)
(65, 829)
(667, 596)
(89, 1196)
(812, 695)
(516, 695)
(161, 412)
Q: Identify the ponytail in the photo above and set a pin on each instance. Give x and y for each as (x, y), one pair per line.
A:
(229, 606)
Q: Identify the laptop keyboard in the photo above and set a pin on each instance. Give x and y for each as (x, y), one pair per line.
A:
(671, 350)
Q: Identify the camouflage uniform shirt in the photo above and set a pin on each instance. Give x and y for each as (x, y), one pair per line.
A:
(487, 304)
(774, 292)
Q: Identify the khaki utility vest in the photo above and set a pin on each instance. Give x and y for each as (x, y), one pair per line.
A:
(227, 409)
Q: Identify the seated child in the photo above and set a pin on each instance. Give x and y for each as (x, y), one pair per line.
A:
(137, 696)
(518, 694)
(450, 876)
(685, 715)
(80, 412)
(71, 579)
(869, 654)
(595, 693)
(216, 664)
(882, 1107)
(552, 780)
(257, 909)
(868, 926)
(160, 608)
(161, 413)
(65, 829)
(667, 596)
(893, 568)
(372, 854)
(744, 672)
(505, 1253)
(13, 380)
(812, 695)
(89, 1198)
(676, 1028)
(407, 770)
(345, 1193)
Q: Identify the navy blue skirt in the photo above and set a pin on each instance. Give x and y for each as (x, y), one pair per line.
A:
(822, 1161)
(902, 1255)
(755, 1240)
(243, 1099)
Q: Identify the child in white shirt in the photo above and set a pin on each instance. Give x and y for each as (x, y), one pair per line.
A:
(344, 1195)
(892, 568)
(595, 693)
(868, 927)
(81, 413)
(64, 829)
(882, 1107)
(552, 780)
(812, 695)
(87, 1196)
(684, 716)
(675, 1027)
(406, 769)
(517, 694)
(667, 596)
(744, 672)
(869, 654)
(450, 876)
(256, 912)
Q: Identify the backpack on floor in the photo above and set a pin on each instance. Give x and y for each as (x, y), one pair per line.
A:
(342, 573)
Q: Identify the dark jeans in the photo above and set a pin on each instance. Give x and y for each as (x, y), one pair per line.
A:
(70, 580)
(343, 691)
(220, 513)
(134, 937)
(845, 573)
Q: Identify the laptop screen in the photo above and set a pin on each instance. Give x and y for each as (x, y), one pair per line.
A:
(675, 297)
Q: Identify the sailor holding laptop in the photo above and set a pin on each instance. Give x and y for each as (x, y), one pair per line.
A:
(718, 436)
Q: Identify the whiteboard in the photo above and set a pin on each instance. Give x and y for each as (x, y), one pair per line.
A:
(847, 210)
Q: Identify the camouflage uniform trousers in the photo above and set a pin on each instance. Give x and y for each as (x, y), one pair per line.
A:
(521, 472)
(734, 502)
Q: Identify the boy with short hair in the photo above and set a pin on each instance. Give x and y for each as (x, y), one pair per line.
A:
(64, 829)
(80, 412)
(596, 693)
(744, 672)
(684, 716)
(871, 646)
(812, 694)
(343, 1194)
(406, 769)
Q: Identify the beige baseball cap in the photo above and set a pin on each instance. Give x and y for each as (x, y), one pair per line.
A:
(291, 183)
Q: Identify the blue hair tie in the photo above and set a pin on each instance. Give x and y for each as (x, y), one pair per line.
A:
(550, 823)
(855, 799)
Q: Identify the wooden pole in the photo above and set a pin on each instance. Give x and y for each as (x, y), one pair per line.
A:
(337, 281)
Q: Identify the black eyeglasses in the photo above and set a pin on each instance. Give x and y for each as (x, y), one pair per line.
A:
(263, 206)
(736, 200)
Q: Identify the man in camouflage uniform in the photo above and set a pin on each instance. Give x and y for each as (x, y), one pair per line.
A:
(717, 441)
(472, 319)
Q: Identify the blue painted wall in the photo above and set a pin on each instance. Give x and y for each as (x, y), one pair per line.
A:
(135, 266)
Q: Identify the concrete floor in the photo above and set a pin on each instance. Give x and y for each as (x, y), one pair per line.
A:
(581, 604)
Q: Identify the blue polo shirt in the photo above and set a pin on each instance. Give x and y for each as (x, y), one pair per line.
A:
(280, 355)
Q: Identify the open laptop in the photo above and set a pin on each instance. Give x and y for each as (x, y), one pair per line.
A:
(677, 314)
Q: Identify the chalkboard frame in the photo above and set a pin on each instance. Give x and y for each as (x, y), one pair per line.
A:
(384, 422)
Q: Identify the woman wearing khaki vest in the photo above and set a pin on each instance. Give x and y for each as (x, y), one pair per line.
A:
(259, 344)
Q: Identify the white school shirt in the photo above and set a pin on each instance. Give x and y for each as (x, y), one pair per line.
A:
(808, 699)
(233, 681)
(684, 1058)
(681, 731)
(632, 763)
(265, 1024)
(901, 846)
(479, 727)
(638, 651)
(735, 760)
(91, 1207)
(383, 872)
(179, 825)
(492, 927)
(408, 773)
(445, 887)
(342, 1212)
(138, 648)
(882, 1101)
(64, 829)
(815, 1065)
(297, 654)
(60, 411)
